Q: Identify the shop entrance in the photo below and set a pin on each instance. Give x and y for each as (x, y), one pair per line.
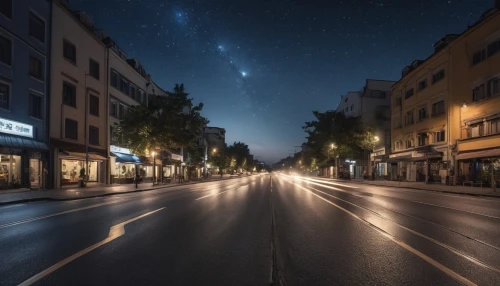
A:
(35, 171)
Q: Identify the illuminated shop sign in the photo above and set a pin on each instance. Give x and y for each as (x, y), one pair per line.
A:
(16, 128)
(116, 149)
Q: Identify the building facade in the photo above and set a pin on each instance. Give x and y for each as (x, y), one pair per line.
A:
(24, 64)
(78, 105)
(475, 106)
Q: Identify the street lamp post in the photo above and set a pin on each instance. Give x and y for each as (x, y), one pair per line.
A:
(154, 167)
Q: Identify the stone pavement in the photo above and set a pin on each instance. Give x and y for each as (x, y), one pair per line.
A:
(459, 189)
(62, 194)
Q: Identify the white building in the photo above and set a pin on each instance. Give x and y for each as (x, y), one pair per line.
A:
(78, 100)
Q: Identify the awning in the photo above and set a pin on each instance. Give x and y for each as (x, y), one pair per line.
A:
(479, 154)
(149, 161)
(21, 143)
(83, 156)
(400, 158)
(126, 158)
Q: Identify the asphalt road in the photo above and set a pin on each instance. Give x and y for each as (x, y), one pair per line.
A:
(254, 231)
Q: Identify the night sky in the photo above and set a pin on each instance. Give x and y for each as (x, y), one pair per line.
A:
(261, 66)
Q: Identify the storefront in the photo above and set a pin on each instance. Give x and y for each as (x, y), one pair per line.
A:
(479, 167)
(73, 164)
(124, 165)
(22, 159)
(425, 165)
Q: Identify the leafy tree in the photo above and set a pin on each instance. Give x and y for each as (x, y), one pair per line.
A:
(167, 123)
(240, 152)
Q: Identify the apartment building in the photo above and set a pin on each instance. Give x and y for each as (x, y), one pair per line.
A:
(475, 105)
(372, 105)
(78, 103)
(24, 64)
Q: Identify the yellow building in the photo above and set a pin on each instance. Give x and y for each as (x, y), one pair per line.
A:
(475, 102)
(419, 132)
(446, 110)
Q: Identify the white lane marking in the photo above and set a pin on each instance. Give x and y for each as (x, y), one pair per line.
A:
(212, 195)
(326, 182)
(55, 214)
(114, 232)
(431, 261)
(11, 206)
(408, 200)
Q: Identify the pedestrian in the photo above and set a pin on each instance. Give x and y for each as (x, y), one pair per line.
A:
(136, 180)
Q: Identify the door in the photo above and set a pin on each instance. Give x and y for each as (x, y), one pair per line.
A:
(35, 173)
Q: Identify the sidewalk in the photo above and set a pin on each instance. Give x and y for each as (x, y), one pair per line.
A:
(64, 194)
(462, 190)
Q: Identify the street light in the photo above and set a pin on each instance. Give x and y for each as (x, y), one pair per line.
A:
(154, 167)
(215, 150)
(375, 139)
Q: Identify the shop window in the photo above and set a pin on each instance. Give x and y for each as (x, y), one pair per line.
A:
(93, 135)
(69, 94)
(10, 170)
(6, 8)
(478, 93)
(70, 171)
(438, 108)
(495, 126)
(438, 76)
(5, 50)
(94, 105)
(37, 27)
(69, 51)
(35, 68)
(94, 69)
(475, 130)
(439, 136)
(4, 95)
(71, 129)
(35, 106)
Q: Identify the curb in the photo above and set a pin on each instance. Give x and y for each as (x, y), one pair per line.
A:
(102, 195)
(436, 191)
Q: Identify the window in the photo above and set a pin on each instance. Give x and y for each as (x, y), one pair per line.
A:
(493, 48)
(4, 95)
(35, 106)
(398, 101)
(93, 135)
(422, 85)
(69, 94)
(5, 50)
(6, 8)
(69, 51)
(438, 108)
(397, 145)
(478, 57)
(121, 111)
(493, 87)
(439, 136)
(422, 114)
(478, 93)
(94, 69)
(132, 91)
(409, 143)
(37, 27)
(438, 76)
(346, 109)
(352, 107)
(113, 109)
(114, 79)
(495, 126)
(409, 118)
(94, 105)
(421, 139)
(475, 130)
(71, 129)
(144, 98)
(124, 86)
(35, 68)
(409, 93)
(346, 99)
(138, 95)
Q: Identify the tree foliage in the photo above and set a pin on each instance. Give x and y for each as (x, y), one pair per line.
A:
(166, 123)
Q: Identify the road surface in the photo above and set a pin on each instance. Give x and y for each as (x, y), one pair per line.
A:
(256, 230)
